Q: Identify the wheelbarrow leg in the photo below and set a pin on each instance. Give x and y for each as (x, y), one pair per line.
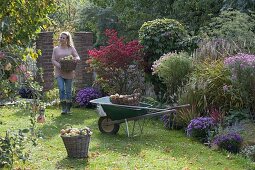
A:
(140, 126)
(126, 122)
(133, 129)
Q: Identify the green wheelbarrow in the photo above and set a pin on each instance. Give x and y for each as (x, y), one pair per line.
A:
(112, 115)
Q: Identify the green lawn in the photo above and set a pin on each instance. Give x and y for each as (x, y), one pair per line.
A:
(157, 148)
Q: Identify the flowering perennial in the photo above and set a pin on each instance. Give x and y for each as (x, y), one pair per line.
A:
(156, 64)
(199, 127)
(85, 95)
(230, 142)
(242, 68)
(241, 65)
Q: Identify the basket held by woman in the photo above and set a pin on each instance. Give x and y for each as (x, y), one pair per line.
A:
(68, 63)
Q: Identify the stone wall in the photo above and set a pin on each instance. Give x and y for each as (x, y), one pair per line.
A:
(82, 41)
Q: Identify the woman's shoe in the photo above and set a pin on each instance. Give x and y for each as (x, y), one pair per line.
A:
(63, 106)
(68, 107)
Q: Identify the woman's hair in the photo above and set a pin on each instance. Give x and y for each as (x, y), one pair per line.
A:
(69, 38)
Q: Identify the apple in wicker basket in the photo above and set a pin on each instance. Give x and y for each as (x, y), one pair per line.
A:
(70, 57)
(68, 63)
(75, 132)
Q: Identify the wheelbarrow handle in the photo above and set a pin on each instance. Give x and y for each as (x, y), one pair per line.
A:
(180, 106)
(169, 108)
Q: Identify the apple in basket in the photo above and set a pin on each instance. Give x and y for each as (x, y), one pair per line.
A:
(41, 118)
(69, 57)
(75, 132)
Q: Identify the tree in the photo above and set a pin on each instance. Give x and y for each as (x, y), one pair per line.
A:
(196, 13)
(233, 26)
(133, 13)
(97, 19)
(21, 20)
(244, 6)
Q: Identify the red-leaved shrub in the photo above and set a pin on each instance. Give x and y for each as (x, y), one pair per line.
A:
(117, 64)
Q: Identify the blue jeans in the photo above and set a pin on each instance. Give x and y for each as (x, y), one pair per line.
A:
(65, 88)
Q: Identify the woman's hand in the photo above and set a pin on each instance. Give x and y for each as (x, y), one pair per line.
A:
(76, 60)
(58, 65)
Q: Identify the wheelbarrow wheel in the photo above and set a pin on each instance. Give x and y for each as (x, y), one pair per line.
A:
(105, 126)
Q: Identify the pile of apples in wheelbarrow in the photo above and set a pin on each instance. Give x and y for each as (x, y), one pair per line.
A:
(131, 100)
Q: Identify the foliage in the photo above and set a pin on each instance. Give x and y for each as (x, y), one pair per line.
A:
(132, 13)
(67, 12)
(12, 146)
(206, 87)
(161, 36)
(217, 115)
(97, 20)
(232, 26)
(84, 96)
(196, 13)
(13, 69)
(51, 96)
(244, 6)
(173, 69)
(117, 65)
(152, 101)
(242, 71)
(200, 127)
(230, 142)
(217, 48)
(185, 115)
(21, 20)
(25, 92)
(235, 116)
(11, 66)
(248, 152)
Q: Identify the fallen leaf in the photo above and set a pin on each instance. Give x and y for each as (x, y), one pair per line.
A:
(167, 149)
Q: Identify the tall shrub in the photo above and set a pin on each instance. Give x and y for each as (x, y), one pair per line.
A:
(117, 65)
(159, 37)
(173, 69)
(209, 87)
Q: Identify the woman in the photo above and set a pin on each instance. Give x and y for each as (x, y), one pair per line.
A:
(64, 78)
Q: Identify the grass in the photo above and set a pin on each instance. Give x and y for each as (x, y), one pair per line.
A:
(157, 148)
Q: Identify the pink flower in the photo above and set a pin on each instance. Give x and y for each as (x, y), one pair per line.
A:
(21, 68)
(225, 88)
(13, 78)
(2, 55)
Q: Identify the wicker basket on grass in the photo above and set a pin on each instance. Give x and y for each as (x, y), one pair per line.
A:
(76, 142)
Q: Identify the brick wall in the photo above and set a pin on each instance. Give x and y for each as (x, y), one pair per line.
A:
(82, 41)
(44, 42)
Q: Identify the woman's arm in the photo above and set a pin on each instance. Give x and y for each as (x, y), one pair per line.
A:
(75, 54)
(53, 59)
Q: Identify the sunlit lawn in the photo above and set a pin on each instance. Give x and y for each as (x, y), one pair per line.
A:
(156, 148)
